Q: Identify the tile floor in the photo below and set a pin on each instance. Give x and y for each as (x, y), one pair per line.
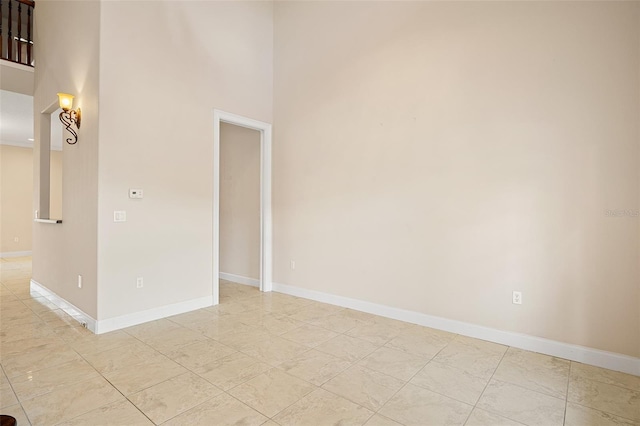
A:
(274, 359)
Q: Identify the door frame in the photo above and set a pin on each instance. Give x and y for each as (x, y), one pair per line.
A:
(266, 241)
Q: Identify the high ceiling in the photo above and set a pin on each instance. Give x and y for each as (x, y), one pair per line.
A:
(16, 121)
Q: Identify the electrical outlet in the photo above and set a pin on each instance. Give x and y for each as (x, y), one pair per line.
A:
(517, 298)
(16, 239)
(139, 282)
(293, 264)
(79, 281)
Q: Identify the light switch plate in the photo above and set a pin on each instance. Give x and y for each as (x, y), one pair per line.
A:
(119, 216)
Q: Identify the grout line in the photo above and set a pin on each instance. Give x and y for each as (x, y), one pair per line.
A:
(566, 395)
(487, 385)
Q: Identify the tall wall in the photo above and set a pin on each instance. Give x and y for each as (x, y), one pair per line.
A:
(436, 156)
(182, 60)
(239, 201)
(66, 46)
(16, 198)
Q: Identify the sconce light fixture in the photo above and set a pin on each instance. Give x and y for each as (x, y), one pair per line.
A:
(69, 116)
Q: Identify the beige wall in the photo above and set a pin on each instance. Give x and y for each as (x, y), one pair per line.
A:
(16, 78)
(197, 56)
(436, 156)
(61, 252)
(55, 185)
(16, 198)
(239, 201)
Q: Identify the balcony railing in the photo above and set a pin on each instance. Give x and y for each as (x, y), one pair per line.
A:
(16, 31)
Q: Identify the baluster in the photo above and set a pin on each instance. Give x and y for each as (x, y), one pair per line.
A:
(29, 25)
(1, 38)
(19, 43)
(10, 33)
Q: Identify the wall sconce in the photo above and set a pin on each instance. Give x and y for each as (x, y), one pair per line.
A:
(69, 116)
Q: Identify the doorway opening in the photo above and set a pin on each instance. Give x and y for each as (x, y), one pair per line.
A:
(265, 197)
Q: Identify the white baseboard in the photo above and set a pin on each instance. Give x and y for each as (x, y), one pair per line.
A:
(75, 312)
(116, 323)
(239, 279)
(596, 357)
(123, 321)
(10, 254)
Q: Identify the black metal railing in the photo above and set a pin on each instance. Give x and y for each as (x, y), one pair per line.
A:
(16, 31)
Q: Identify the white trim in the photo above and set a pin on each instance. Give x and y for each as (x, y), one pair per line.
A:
(265, 197)
(48, 220)
(17, 66)
(240, 279)
(111, 324)
(610, 360)
(75, 312)
(10, 254)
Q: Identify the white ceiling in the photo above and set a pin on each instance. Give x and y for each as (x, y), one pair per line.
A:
(16, 121)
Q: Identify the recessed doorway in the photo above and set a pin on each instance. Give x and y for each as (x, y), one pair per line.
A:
(265, 197)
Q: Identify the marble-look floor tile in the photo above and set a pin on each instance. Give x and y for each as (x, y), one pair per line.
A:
(278, 323)
(314, 366)
(537, 372)
(30, 344)
(232, 370)
(222, 410)
(309, 335)
(201, 353)
(152, 329)
(38, 358)
(122, 357)
(71, 333)
(217, 329)
(275, 351)
(69, 402)
(365, 387)
(17, 413)
(171, 341)
(271, 392)
(194, 317)
(378, 334)
(242, 340)
(522, 405)
(320, 404)
(173, 397)
(414, 405)
(603, 375)
(348, 348)
(93, 343)
(604, 397)
(39, 304)
(481, 417)
(57, 318)
(115, 414)
(48, 379)
(425, 342)
(339, 323)
(314, 311)
(578, 415)
(378, 420)
(399, 364)
(133, 378)
(478, 357)
(451, 382)
(7, 396)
